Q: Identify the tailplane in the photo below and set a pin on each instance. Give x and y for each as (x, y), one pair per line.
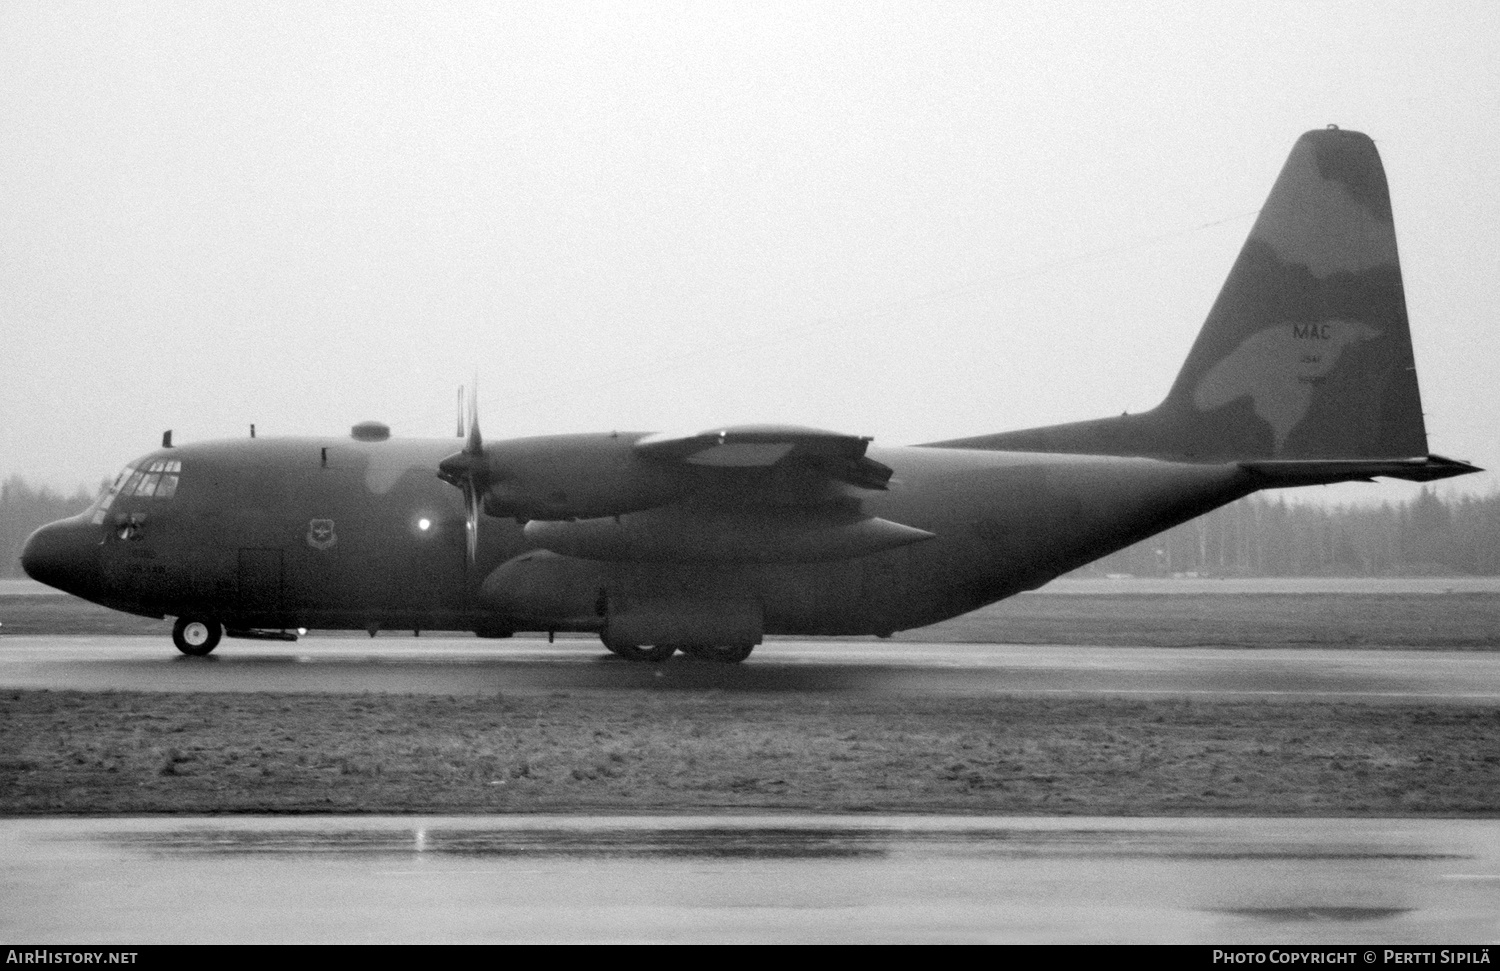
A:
(1305, 361)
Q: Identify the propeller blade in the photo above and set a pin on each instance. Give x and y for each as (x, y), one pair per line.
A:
(472, 500)
(469, 471)
(474, 444)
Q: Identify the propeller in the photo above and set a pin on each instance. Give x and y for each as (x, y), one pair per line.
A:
(470, 471)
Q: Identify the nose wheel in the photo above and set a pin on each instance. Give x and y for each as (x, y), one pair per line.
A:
(196, 637)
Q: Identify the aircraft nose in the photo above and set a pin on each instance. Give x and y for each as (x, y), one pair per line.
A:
(65, 555)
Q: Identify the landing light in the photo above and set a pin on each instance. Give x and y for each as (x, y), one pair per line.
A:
(424, 524)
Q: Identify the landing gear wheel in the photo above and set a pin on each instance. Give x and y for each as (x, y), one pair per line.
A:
(195, 637)
(646, 655)
(721, 654)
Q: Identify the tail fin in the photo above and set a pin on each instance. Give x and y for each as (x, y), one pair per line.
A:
(1306, 355)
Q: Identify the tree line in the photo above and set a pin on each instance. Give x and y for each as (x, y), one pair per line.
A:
(1258, 536)
(1267, 535)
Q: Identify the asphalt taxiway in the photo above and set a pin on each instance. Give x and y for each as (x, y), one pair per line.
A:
(822, 879)
(465, 665)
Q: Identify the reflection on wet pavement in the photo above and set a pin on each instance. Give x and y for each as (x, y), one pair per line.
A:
(793, 878)
(1315, 914)
(711, 843)
(783, 843)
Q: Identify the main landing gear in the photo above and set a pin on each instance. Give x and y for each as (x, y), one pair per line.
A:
(703, 652)
(719, 653)
(196, 637)
(645, 655)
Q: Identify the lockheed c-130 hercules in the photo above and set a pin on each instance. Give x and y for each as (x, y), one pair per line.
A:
(1302, 374)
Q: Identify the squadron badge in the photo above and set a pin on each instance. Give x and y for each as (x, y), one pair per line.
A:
(320, 535)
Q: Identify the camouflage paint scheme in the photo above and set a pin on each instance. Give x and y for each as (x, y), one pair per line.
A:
(1306, 353)
(1303, 373)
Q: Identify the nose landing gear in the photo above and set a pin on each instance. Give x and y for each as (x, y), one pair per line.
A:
(196, 637)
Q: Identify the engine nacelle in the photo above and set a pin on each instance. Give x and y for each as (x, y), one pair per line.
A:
(562, 477)
(675, 534)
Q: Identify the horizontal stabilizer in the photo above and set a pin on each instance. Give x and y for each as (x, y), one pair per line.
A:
(1324, 472)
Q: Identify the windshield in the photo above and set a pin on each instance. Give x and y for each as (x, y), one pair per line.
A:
(158, 480)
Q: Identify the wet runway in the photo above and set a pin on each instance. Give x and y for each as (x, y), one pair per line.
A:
(731, 879)
(761, 879)
(464, 665)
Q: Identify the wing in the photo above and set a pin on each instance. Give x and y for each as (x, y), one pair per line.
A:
(832, 454)
(750, 494)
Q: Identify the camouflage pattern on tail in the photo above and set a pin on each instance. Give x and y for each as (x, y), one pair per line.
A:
(1306, 355)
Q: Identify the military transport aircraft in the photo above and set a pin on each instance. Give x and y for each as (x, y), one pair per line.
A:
(1303, 374)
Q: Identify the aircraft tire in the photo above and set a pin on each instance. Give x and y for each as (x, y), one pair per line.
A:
(196, 637)
(646, 655)
(721, 654)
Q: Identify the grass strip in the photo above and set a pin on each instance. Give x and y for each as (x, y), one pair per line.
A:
(66, 752)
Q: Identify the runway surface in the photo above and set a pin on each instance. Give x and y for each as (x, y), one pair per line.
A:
(760, 879)
(734, 879)
(464, 665)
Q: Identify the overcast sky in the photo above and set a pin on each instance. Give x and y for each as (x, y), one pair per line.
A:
(913, 221)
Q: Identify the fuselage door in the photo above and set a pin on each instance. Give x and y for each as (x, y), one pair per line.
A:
(260, 581)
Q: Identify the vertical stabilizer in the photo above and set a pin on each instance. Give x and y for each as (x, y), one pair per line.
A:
(1306, 354)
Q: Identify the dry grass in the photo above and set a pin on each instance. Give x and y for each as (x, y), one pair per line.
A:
(81, 753)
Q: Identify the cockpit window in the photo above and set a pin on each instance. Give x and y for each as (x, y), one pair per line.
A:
(155, 481)
(158, 480)
(108, 499)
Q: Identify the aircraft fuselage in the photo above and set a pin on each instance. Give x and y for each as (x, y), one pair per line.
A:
(342, 534)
